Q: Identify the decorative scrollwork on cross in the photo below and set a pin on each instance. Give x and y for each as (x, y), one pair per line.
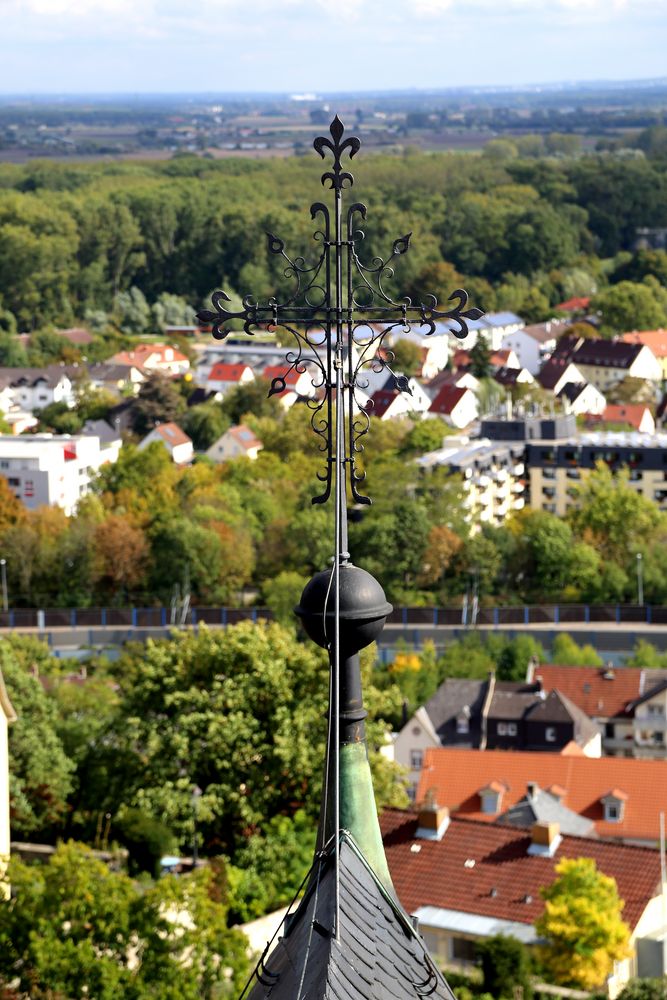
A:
(339, 312)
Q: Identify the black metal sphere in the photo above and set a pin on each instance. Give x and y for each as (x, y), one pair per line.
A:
(363, 608)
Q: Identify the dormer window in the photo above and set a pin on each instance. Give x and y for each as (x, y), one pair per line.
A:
(463, 721)
(614, 805)
(490, 798)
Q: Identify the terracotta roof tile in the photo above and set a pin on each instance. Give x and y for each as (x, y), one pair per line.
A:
(222, 372)
(456, 775)
(447, 398)
(441, 874)
(598, 692)
(655, 339)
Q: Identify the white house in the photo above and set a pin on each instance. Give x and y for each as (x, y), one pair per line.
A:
(557, 373)
(290, 385)
(387, 404)
(236, 442)
(456, 405)
(535, 343)
(582, 397)
(35, 388)
(154, 357)
(116, 378)
(7, 716)
(52, 469)
(494, 327)
(435, 348)
(176, 441)
(223, 377)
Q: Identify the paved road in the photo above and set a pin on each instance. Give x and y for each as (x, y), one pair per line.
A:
(611, 640)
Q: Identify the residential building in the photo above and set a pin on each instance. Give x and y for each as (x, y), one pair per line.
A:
(175, 440)
(623, 798)
(290, 384)
(461, 378)
(223, 377)
(607, 362)
(52, 469)
(455, 404)
(526, 428)
(77, 336)
(154, 357)
(655, 340)
(510, 378)
(492, 476)
(556, 466)
(465, 881)
(7, 717)
(119, 379)
(236, 442)
(495, 327)
(576, 305)
(35, 388)
(635, 415)
(535, 343)
(435, 348)
(388, 403)
(628, 704)
(490, 715)
(556, 373)
(582, 397)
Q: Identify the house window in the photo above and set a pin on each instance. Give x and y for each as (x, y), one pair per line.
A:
(416, 758)
(463, 950)
(550, 734)
(4, 464)
(490, 802)
(506, 729)
(612, 812)
(656, 709)
(462, 725)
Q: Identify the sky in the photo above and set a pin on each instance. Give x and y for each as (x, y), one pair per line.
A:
(285, 46)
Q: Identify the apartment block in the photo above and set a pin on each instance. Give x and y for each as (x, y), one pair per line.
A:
(53, 469)
(555, 467)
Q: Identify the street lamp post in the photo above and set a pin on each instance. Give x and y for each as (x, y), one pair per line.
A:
(3, 571)
(640, 579)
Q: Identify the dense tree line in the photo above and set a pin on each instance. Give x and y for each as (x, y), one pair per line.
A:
(105, 242)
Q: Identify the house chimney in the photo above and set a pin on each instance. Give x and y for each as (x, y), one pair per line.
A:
(433, 819)
(532, 788)
(545, 839)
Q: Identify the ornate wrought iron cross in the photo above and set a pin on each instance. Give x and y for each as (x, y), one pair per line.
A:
(339, 303)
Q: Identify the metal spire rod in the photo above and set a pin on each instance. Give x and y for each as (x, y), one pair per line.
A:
(338, 333)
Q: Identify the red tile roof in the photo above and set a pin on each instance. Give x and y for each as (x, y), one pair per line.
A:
(447, 399)
(575, 304)
(655, 339)
(441, 874)
(222, 372)
(588, 688)
(632, 414)
(381, 401)
(142, 352)
(279, 371)
(456, 777)
(172, 434)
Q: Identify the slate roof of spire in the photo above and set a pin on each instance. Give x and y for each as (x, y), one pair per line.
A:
(380, 956)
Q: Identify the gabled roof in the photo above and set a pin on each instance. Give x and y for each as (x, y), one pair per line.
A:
(552, 371)
(381, 400)
(140, 354)
(50, 376)
(602, 353)
(502, 319)
(453, 695)
(544, 332)
(630, 413)
(380, 955)
(597, 691)
(279, 371)
(222, 372)
(456, 775)
(77, 335)
(448, 397)
(171, 434)
(244, 436)
(656, 340)
(540, 806)
(460, 871)
(575, 304)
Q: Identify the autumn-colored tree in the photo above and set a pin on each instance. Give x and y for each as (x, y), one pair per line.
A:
(11, 509)
(443, 544)
(122, 554)
(582, 925)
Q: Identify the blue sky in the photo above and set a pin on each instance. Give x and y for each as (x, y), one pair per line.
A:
(88, 46)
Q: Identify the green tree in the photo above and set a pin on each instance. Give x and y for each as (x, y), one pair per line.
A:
(644, 989)
(205, 424)
(582, 925)
(480, 357)
(506, 967)
(281, 595)
(567, 652)
(76, 928)
(40, 773)
(240, 713)
(158, 402)
(630, 305)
